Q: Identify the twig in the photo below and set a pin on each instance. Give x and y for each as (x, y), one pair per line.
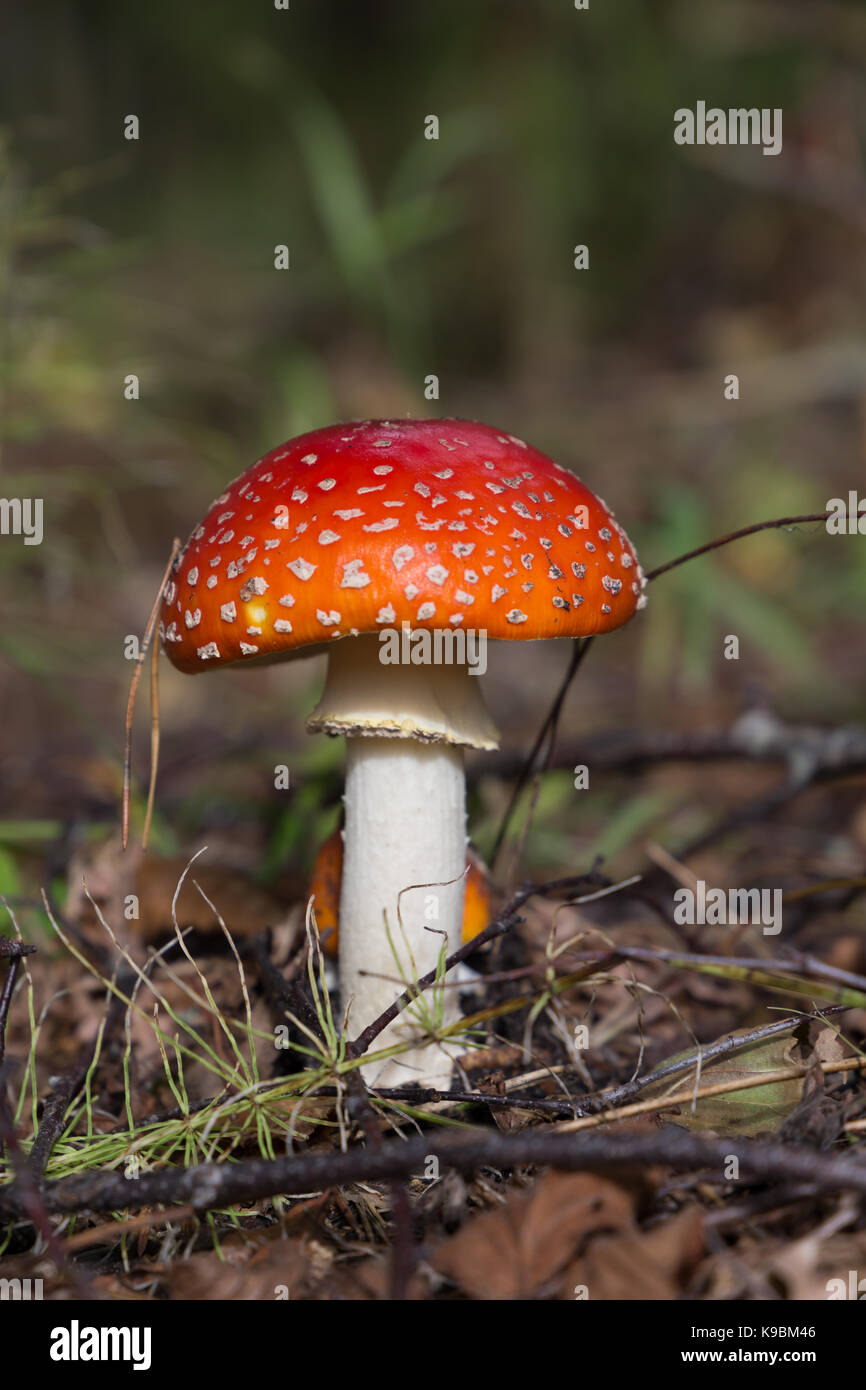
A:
(427, 1095)
(285, 995)
(30, 1200)
(154, 743)
(547, 731)
(719, 1088)
(109, 1233)
(762, 807)
(744, 967)
(52, 1120)
(212, 1185)
(130, 704)
(11, 950)
(734, 536)
(402, 1248)
(66, 1087)
(762, 1203)
(732, 1042)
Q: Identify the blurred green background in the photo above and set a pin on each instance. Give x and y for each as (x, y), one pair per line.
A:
(411, 257)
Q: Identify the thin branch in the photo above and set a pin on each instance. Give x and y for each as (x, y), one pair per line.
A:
(133, 687)
(547, 731)
(729, 1086)
(732, 1042)
(53, 1119)
(734, 536)
(12, 950)
(154, 743)
(755, 968)
(212, 1185)
(286, 996)
(29, 1199)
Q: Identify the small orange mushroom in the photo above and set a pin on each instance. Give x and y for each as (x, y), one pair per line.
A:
(326, 879)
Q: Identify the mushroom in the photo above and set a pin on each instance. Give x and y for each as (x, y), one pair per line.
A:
(399, 546)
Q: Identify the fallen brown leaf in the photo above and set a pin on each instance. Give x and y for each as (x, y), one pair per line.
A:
(518, 1250)
(638, 1264)
(260, 1267)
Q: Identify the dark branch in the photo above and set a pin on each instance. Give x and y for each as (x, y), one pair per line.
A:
(219, 1185)
(735, 536)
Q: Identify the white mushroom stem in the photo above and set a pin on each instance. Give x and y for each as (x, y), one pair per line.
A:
(405, 825)
(404, 839)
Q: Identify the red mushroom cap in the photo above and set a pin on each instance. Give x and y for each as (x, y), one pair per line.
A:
(357, 527)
